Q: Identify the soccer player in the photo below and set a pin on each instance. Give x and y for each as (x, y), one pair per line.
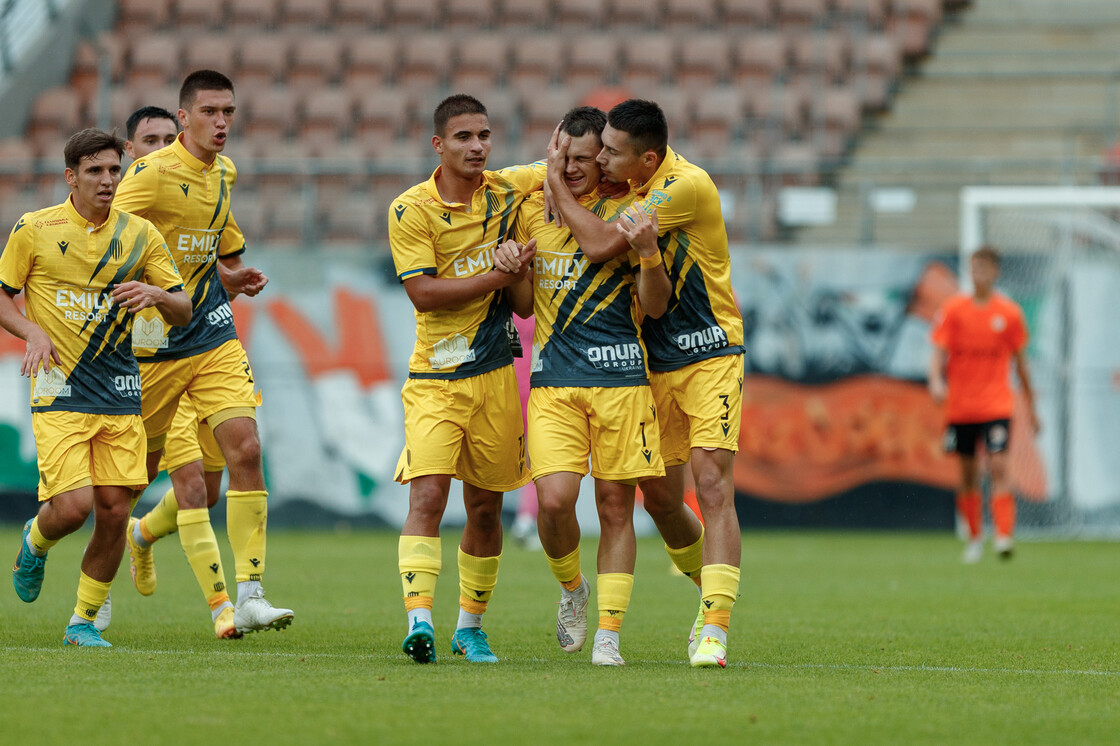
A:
(184, 189)
(87, 268)
(590, 389)
(975, 337)
(462, 412)
(695, 353)
(148, 129)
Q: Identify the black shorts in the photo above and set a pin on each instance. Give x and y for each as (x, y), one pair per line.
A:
(962, 438)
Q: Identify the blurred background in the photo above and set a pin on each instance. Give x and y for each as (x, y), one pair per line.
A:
(861, 147)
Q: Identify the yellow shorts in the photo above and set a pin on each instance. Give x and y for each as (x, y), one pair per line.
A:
(77, 449)
(219, 381)
(700, 406)
(189, 440)
(615, 426)
(470, 428)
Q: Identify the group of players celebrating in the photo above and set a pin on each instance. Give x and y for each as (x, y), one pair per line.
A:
(614, 243)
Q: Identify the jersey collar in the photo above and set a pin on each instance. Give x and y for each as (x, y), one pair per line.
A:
(433, 191)
(76, 218)
(666, 166)
(185, 156)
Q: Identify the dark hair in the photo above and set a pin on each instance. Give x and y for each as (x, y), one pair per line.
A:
(202, 80)
(644, 122)
(584, 120)
(89, 142)
(987, 252)
(453, 106)
(147, 112)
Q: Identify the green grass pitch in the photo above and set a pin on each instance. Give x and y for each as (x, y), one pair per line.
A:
(836, 638)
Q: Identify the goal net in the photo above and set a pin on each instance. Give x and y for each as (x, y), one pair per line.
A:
(1061, 263)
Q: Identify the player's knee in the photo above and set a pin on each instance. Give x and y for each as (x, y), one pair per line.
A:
(71, 515)
(246, 454)
(553, 503)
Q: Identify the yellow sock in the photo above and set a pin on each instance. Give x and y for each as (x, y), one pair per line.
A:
(419, 558)
(720, 589)
(161, 520)
(201, 547)
(91, 595)
(612, 591)
(40, 542)
(566, 570)
(689, 559)
(477, 578)
(246, 518)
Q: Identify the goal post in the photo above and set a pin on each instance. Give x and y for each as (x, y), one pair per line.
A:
(1061, 263)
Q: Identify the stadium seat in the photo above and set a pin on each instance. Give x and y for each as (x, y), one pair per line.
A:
(316, 61)
(593, 60)
(912, 23)
(271, 114)
(154, 60)
(424, 60)
(202, 14)
(327, 115)
(703, 59)
(57, 113)
(469, 14)
(122, 102)
(210, 51)
(414, 14)
(795, 163)
(760, 59)
(633, 14)
(868, 13)
(584, 15)
(836, 120)
(382, 115)
(481, 60)
(648, 59)
(747, 14)
(359, 14)
(264, 59)
(524, 14)
(821, 54)
(301, 15)
(249, 212)
(543, 111)
(802, 14)
(876, 64)
(371, 61)
(536, 61)
(686, 14)
(351, 218)
(718, 113)
(252, 15)
(142, 16)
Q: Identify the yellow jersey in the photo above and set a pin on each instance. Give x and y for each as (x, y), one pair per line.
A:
(189, 202)
(587, 331)
(453, 240)
(69, 268)
(703, 320)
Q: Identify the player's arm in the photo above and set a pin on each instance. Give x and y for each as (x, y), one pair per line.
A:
(430, 293)
(238, 279)
(515, 258)
(1024, 372)
(40, 350)
(173, 304)
(654, 288)
(598, 239)
(936, 376)
(138, 189)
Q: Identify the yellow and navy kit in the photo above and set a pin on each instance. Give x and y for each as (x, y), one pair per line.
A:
(189, 202)
(587, 327)
(69, 268)
(454, 240)
(703, 320)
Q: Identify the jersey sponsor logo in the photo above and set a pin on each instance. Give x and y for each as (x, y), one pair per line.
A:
(19, 225)
(220, 316)
(198, 248)
(399, 210)
(708, 339)
(127, 385)
(149, 334)
(451, 352)
(626, 355)
(480, 261)
(63, 246)
(186, 189)
(559, 272)
(52, 383)
(656, 198)
(83, 304)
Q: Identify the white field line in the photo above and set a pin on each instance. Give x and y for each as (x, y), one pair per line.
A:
(381, 657)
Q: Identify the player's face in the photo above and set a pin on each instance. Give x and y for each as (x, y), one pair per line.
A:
(581, 171)
(206, 124)
(94, 184)
(465, 145)
(984, 273)
(151, 135)
(618, 158)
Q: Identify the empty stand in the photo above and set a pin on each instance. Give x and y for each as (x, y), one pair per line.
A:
(154, 60)
(648, 59)
(370, 61)
(252, 15)
(208, 14)
(417, 14)
(316, 61)
(210, 51)
(355, 15)
(481, 61)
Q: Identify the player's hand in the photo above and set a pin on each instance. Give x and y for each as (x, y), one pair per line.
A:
(639, 228)
(507, 257)
(244, 281)
(136, 296)
(938, 390)
(557, 161)
(39, 353)
(525, 256)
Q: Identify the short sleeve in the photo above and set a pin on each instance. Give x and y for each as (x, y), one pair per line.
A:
(138, 189)
(1017, 334)
(160, 269)
(410, 241)
(528, 178)
(15, 262)
(674, 201)
(233, 240)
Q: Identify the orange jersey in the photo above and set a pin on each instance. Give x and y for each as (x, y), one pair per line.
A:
(980, 339)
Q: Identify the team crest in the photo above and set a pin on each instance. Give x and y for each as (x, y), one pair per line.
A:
(998, 323)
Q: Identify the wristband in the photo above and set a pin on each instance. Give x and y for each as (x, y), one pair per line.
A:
(649, 262)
